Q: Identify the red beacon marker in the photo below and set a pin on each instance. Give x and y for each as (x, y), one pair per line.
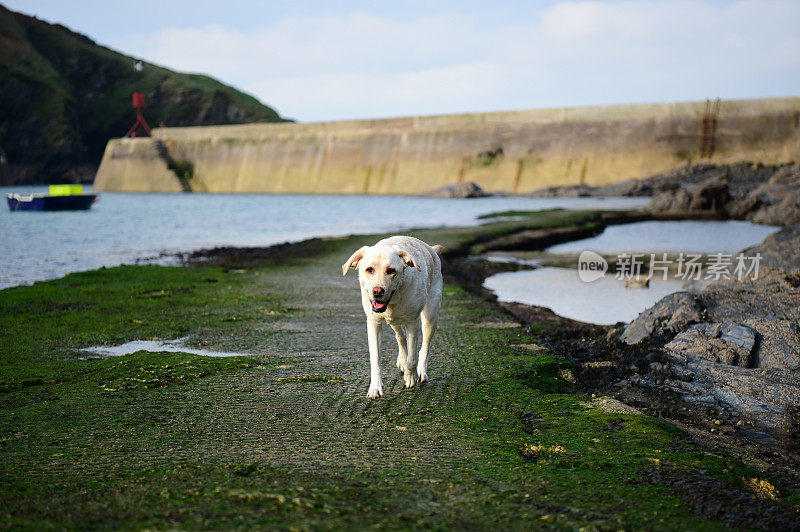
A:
(137, 98)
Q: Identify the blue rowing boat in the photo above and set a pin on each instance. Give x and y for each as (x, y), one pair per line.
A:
(45, 202)
(61, 198)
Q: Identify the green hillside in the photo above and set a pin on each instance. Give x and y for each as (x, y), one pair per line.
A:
(62, 96)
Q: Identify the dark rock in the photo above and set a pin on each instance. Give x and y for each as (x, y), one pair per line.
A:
(738, 208)
(671, 201)
(776, 202)
(779, 344)
(765, 397)
(743, 191)
(767, 305)
(783, 213)
(457, 190)
(741, 336)
(774, 294)
(773, 201)
(780, 250)
(711, 194)
(673, 313)
(631, 187)
(668, 181)
(735, 345)
(724, 343)
(743, 356)
(785, 179)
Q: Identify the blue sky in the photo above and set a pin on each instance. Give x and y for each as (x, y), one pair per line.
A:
(340, 60)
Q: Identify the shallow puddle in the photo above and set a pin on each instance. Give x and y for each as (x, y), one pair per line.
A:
(672, 237)
(604, 301)
(608, 300)
(172, 346)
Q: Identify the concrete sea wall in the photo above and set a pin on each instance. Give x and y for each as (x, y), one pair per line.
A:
(514, 151)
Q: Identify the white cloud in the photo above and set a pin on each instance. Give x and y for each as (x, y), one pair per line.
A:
(382, 94)
(359, 65)
(354, 42)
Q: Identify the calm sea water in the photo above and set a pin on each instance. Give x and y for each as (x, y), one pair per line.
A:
(688, 236)
(604, 302)
(126, 228)
(607, 300)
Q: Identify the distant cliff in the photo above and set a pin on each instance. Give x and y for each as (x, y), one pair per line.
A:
(62, 96)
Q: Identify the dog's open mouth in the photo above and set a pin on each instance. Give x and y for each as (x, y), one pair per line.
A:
(381, 306)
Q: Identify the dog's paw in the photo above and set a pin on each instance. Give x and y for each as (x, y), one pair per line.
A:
(410, 377)
(375, 392)
(401, 364)
(423, 376)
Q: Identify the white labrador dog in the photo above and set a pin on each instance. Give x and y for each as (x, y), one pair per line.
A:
(401, 282)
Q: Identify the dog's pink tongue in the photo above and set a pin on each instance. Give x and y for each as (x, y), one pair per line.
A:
(377, 305)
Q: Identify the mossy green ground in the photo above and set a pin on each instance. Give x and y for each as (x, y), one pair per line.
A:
(285, 438)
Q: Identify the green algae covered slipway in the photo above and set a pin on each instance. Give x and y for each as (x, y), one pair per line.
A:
(501, 437)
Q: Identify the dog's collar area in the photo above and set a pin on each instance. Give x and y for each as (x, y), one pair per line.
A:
(381, 306)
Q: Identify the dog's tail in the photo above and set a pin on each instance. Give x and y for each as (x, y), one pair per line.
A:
(438, 249)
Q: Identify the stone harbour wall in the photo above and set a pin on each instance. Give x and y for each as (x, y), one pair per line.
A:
(515, 151)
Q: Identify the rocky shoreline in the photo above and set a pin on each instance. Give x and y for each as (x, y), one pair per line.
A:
(722, 362)
(744, 191)
(734, 345)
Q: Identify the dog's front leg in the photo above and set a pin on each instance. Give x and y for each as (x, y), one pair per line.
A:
(374, 336)
(402, 353)
(412, 334)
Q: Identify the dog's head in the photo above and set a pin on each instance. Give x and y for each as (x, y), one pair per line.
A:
(381, 270)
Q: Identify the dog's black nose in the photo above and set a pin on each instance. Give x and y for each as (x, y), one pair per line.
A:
(377, 292)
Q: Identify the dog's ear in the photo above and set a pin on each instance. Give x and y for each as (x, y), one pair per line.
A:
(407, 259)
(352, 262)
(438, 249)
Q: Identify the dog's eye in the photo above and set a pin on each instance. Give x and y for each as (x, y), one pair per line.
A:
(390, 271)
(370, 270)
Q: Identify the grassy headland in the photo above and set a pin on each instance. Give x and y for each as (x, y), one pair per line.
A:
(501, 436)
(64, 96)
